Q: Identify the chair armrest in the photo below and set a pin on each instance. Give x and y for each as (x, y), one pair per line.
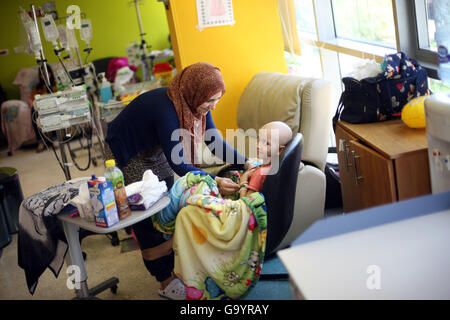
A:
(309, 202)
(315, 120)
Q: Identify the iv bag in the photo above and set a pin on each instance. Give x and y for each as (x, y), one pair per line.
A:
(32, 34)
(24, 45)
(62, 36)
(51, 33)
(86, 30)
(63, 41)
(71, 39)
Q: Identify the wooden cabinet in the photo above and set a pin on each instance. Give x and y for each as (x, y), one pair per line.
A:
(381, 163)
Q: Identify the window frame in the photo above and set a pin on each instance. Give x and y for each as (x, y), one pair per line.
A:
(407, 23)
(409, 39)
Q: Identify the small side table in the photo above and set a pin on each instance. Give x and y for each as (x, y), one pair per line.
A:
(71, 229)
(381, 162)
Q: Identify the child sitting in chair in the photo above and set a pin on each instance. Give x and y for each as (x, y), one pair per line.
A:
(272, 140)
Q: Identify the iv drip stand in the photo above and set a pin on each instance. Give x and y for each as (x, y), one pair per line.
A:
(95, 117)
(145, 68)
(59, 133)
(41, 52)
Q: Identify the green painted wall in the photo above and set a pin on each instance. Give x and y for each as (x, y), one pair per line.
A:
(114, 25)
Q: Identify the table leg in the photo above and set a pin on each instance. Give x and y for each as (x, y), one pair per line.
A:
(76, 258)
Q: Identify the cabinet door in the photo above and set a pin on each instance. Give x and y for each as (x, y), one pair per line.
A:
(348, 188)
(372, 175)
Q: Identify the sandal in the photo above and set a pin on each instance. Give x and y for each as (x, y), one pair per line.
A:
(175, 290)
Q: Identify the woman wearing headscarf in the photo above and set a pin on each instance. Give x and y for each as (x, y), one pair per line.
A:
(146, 135)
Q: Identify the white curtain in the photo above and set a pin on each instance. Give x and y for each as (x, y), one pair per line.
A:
(289, 26)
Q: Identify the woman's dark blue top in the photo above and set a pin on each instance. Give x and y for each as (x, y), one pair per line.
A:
(148, 121)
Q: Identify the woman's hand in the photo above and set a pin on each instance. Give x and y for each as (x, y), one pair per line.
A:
(226, 186)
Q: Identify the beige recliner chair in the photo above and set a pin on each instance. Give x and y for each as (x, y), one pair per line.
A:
(305, 104)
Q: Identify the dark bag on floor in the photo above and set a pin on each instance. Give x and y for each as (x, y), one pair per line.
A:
(333, 193)
(382, 97)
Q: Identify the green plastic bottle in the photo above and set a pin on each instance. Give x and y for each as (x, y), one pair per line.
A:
(115, 175)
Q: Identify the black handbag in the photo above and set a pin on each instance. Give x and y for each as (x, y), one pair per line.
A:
(382, 97)
(359, 103)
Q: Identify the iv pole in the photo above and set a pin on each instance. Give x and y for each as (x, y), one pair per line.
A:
(47, 79)
(41, 51)
(145, 69)
(95, 114)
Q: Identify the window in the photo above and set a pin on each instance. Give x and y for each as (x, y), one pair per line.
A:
(437, 86)
(345, 32)
(431, 25)
(430, 15)
(426, 27)
(308, 64)
(335, 35)
(304, 12)
(369, 21)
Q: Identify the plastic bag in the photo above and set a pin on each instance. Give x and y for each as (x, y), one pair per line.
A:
(123, 76)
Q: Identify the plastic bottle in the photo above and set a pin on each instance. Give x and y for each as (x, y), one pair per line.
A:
(105, 90)
(442, 37)
(115, 175)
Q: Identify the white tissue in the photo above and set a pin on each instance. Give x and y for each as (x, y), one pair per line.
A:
(365, 69)
(150, 188)
(83, 203)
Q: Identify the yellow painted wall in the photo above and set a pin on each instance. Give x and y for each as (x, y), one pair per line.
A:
(253, 44)
(114, 25)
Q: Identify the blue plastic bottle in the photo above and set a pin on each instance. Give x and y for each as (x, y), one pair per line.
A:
(105, 91)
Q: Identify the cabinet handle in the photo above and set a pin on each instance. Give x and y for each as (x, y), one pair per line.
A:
(347, 165)
(355, 169)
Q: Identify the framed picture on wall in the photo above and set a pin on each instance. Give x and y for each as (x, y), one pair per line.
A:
(213, 13)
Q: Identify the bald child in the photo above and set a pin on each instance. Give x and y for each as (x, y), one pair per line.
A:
(272, 140)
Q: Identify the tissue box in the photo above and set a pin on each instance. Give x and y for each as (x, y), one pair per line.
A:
(136, 202)
(103, 203)
(143, 194)
(83, 203)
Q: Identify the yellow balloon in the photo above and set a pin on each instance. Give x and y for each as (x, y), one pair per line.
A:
(413, 113)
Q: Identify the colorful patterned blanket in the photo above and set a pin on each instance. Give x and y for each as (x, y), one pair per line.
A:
(219, 244)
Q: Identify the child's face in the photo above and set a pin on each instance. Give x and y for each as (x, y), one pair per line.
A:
(263, 148)
(268, 144)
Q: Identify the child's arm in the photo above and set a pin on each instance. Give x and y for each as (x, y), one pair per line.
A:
(244, 192)
(244, 181)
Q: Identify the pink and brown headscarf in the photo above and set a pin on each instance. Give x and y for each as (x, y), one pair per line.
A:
(189, 89)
